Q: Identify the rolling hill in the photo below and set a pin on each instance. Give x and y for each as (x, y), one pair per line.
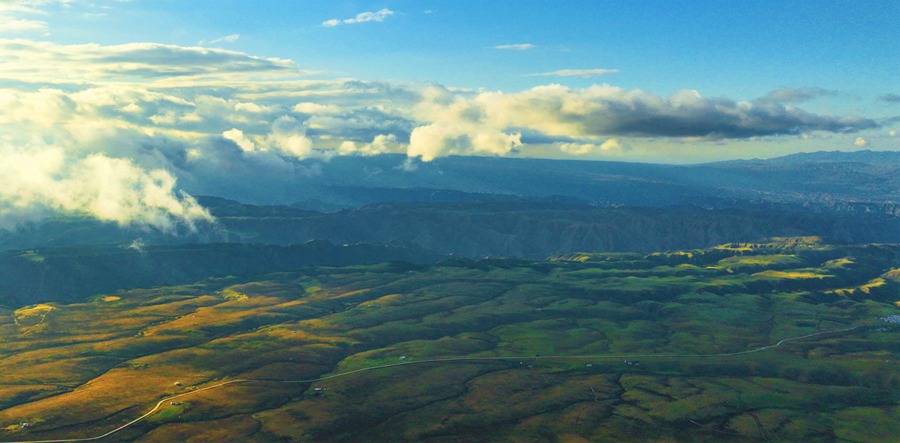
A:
(783, 340)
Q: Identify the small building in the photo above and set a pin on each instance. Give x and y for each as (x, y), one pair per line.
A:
(402, 357)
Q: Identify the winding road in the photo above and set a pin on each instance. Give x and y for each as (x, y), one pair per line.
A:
(160, 403)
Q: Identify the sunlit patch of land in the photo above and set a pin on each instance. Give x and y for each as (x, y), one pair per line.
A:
(653, 334)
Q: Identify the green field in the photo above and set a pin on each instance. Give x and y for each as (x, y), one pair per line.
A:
(586, 347)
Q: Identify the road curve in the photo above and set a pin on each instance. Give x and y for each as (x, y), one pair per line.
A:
(433, 361)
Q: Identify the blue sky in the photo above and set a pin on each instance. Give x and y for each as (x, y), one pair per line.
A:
(737, 49)
(169, 90)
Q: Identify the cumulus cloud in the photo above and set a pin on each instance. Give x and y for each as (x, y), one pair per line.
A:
(315, 108)
(362, 17)
(860, 142)
(106, 188)
(81, 132)
(516, 47)
(289, 136)
(458, 126)
(242, 141)
(606, 110)
(381, 144)
(159, 119)
(796, 95)
(491, 122)
(583, 73)
(610, 145)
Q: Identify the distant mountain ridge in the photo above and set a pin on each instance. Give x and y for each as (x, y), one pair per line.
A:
(478, 207)
(347, 182)
(863, 156)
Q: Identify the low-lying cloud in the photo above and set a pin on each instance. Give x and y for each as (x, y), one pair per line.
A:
(108, 189)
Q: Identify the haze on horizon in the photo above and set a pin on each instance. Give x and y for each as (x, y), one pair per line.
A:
(107, 105)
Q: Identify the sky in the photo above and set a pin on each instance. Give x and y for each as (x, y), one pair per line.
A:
(108, 106)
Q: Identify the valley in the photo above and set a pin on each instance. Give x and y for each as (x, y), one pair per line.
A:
(675, 345)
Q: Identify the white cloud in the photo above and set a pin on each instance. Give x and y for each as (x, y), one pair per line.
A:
(109, 189)
(18, 16)
(516, 47)
(289, 136)
(231, 38)
(238, 137)
(363, 17)
(315, 108)
(577, 148)
(491, 122)
(224, 121)
(610, 145)
(860, 142)
(458, 126)
(30, 61)
(251, 108)
(381, 144)
(10, 25)
(449, 138)
(409, 165)
(286, 137)
(584, 73)
(31, 6)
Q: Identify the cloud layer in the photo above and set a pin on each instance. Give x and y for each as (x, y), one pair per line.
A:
(112, 131)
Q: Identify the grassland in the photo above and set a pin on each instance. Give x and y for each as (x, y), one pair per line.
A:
(79, 370)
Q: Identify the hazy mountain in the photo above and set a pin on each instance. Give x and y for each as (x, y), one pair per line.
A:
(353, 181)
(534, 208)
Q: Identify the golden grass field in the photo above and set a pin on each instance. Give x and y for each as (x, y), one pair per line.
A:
(635, 323)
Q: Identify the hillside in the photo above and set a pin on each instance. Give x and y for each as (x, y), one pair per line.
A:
(70, 274)
(782, 341)
(513, 228)
(537, 230)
